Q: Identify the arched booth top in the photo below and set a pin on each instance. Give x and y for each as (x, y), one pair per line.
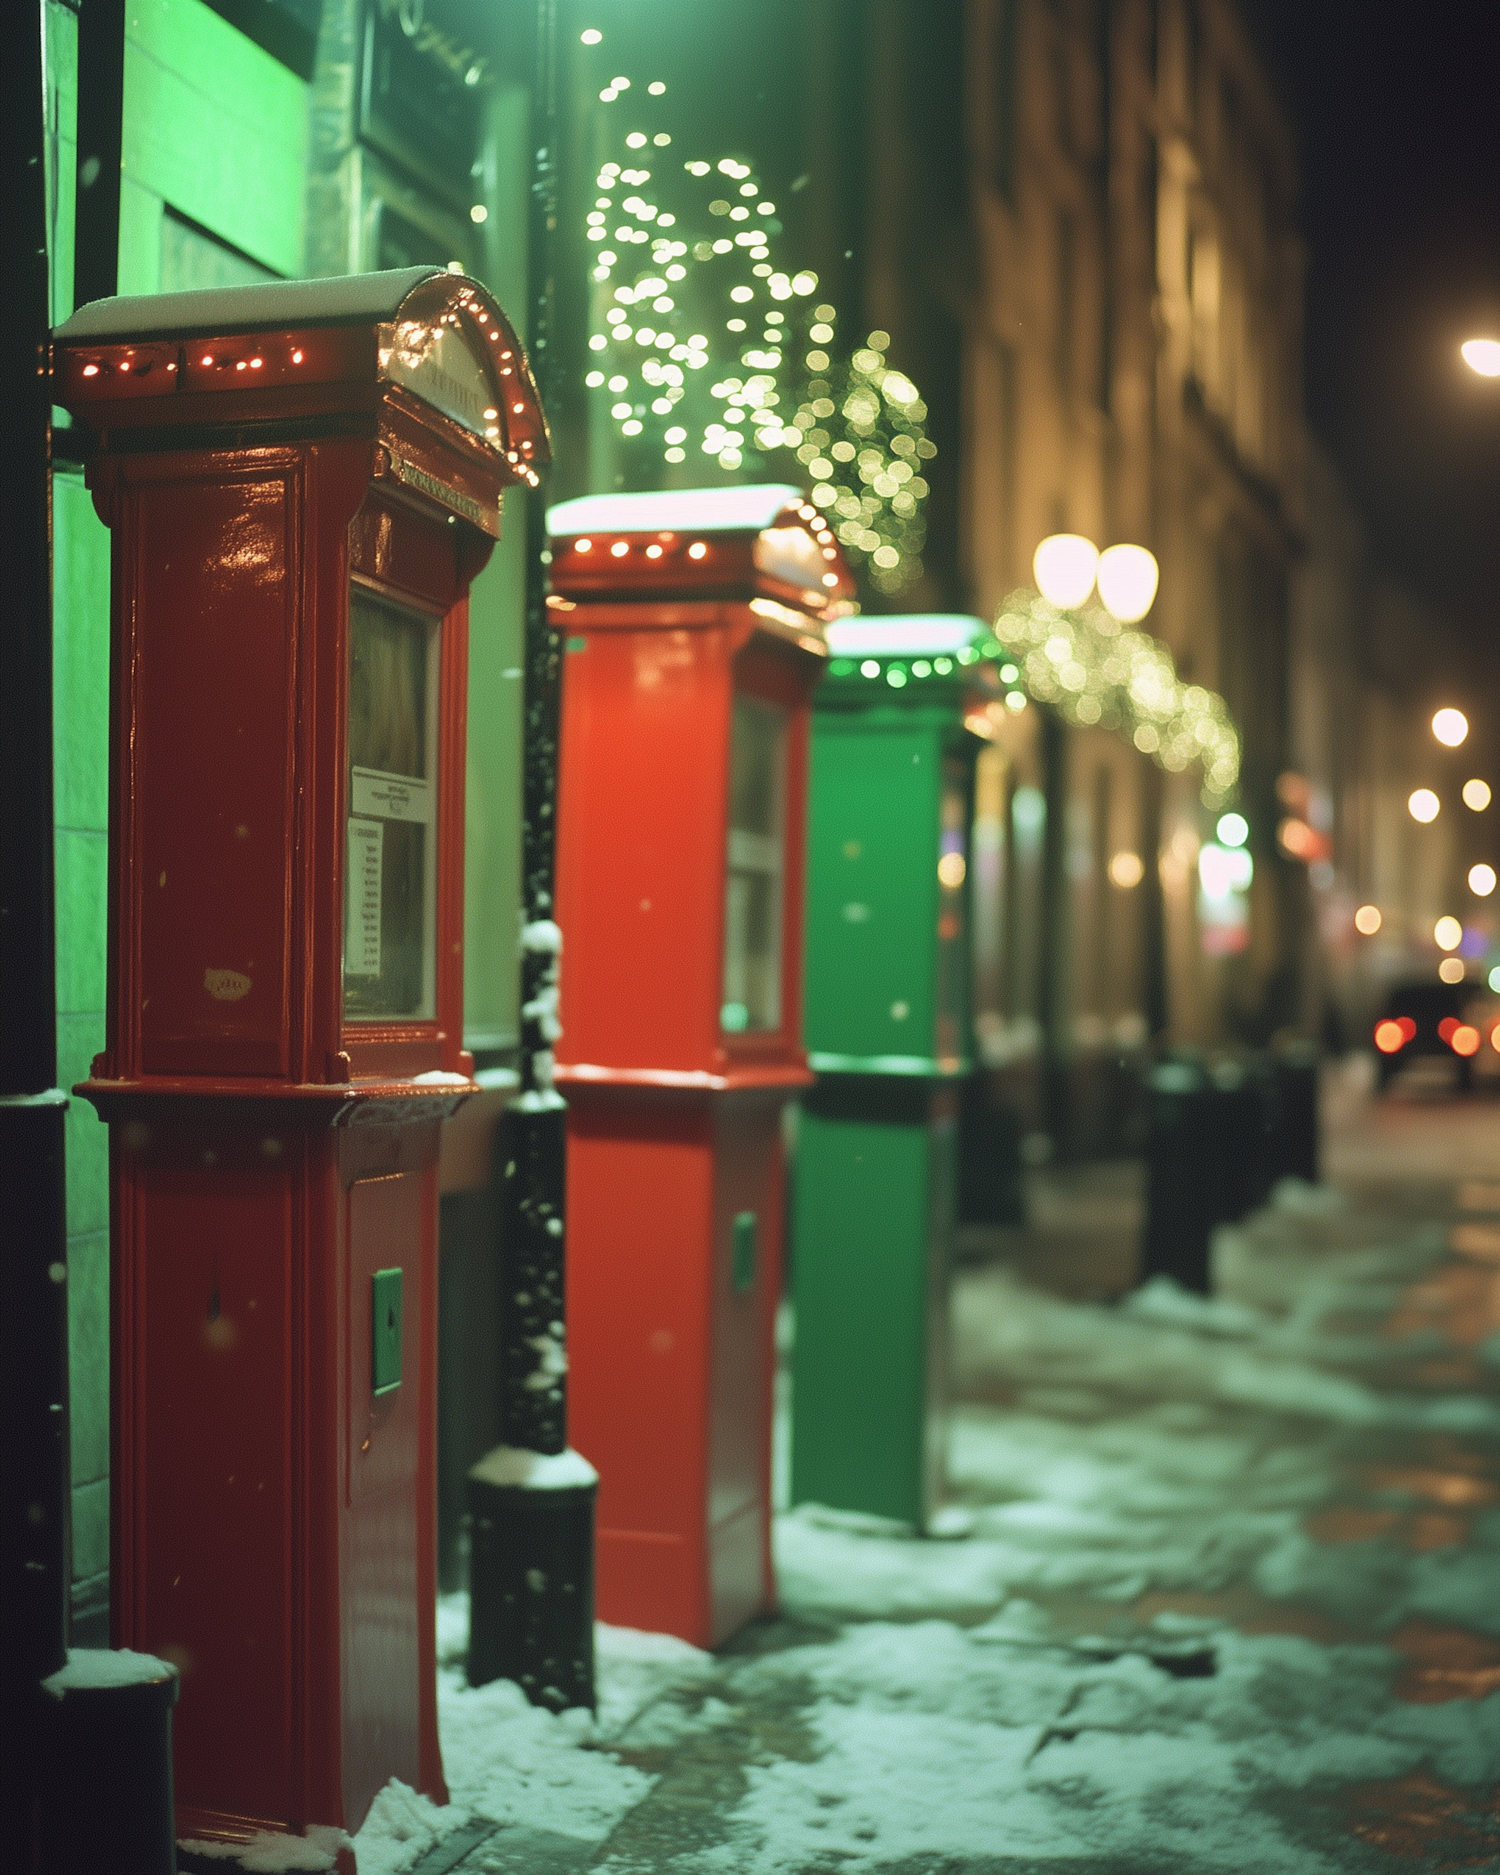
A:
(724, 543)
(265, 362)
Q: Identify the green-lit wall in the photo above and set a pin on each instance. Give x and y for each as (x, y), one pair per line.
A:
(214, 129)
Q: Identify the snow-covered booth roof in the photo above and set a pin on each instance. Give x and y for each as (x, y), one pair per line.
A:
(261, 358)
(765, 539)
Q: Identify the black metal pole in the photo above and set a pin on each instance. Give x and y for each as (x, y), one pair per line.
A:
(85, 1748)
(531, 1501)
(101, 92)
(33, 1242)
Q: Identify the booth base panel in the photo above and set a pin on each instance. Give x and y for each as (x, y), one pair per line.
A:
(871, 1246)
(273, 1514)
(671, 1316)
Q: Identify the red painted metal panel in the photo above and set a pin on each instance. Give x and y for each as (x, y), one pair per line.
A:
(642, 813)
(215, 689)
(216, 1512)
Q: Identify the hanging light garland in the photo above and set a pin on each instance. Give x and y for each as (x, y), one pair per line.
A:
(1091, 671)
(701, 346)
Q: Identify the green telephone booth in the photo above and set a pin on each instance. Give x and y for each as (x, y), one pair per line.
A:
(897, 725)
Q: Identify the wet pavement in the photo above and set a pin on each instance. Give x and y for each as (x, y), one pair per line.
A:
(1223, 1588)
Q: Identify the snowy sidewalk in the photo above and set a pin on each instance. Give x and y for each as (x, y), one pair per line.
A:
(1229, 1597)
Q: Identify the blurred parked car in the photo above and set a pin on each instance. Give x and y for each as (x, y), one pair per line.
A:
(1431, 1019)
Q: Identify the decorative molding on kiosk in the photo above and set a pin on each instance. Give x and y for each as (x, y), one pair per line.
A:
(301, 481)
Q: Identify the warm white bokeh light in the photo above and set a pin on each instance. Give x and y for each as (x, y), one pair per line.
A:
(1367, 920)
(1450, 727)
(1065, 566)
(1126, 870)
(1127, 578)
(1423, 805)
(952, 868)
(1482, 355)
(1482, 880)
(1447, 934)
(1451, 970)
(1477, 795)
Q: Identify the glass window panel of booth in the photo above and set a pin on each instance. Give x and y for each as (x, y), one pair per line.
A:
(952, 872)
(390, 878)
(753, 875)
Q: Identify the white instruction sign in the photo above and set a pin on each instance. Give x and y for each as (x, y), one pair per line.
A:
(390, 797)
(362, 898)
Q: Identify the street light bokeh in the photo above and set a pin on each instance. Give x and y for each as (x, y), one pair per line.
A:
(1422, 804)
(1477, 795)
(1482, 880)
(1367, 920)
(1128, 578)
(1482, 356)
(1065, 566)
(1450, 727)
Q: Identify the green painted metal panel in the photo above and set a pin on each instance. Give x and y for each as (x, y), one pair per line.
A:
(872, 889)
(385, 1331)
(871, 1217)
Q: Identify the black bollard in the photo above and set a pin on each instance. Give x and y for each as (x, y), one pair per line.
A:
(989, 1157)
(107, 1720)
(531, 1559)
(1294, 1066)
(1182, 1169)
(1239, 1141)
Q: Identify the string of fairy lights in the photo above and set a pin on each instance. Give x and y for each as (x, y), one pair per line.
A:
(702, 346)
(1091, 670)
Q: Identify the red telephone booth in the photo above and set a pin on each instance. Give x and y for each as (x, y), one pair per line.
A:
(694, 624)
(301, 481)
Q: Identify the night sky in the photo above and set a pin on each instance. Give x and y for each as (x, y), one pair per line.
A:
(1396, 110)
